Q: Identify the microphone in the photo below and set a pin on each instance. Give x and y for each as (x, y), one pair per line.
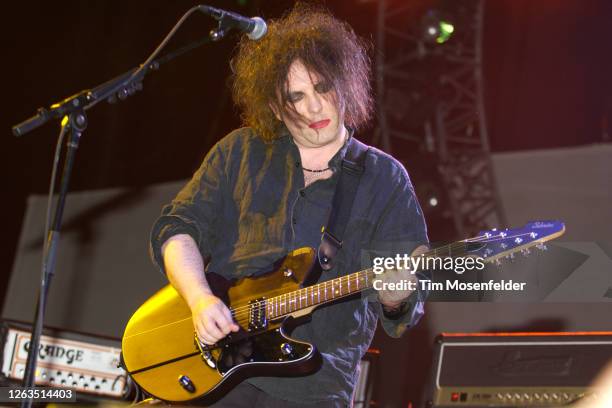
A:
(254, 27)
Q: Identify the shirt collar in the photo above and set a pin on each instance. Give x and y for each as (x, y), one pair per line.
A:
(339, 156)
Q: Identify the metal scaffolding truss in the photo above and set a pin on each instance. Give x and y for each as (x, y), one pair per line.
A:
(430, 99)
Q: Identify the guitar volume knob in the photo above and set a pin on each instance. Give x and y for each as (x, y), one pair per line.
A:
(186, 383)
(286, 349)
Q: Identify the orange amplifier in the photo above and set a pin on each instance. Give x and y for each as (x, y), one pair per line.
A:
(86, 363)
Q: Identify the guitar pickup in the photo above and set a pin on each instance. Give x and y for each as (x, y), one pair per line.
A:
(258, 318)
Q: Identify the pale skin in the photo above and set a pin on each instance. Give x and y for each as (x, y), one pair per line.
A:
(317, 145)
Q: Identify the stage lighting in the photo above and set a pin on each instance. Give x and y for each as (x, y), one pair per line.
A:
(436, 29)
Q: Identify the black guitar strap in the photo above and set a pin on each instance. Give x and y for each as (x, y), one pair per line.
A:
(353, 166)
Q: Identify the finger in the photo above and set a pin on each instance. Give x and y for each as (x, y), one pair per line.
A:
(203, 336)
(224, 323)
(421, 249)
(211, 324)
(230, 320)
(206, 339)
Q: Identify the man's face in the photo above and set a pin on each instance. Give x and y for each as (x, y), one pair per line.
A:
(318, 123)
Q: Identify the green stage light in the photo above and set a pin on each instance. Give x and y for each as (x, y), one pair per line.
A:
(436, 28)
(445, 32)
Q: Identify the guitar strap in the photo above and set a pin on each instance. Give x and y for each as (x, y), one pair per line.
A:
(353, 166)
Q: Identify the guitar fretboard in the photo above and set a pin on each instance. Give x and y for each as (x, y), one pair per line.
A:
(318, 294)
(343, 286)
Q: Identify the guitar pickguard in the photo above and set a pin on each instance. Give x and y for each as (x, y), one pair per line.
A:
(260, 350)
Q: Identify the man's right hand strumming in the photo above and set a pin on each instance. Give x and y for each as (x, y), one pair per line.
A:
(212, 319)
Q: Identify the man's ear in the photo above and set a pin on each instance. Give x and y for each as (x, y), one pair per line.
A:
(276, 111)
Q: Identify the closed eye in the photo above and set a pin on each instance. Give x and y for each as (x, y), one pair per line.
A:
(295, 96)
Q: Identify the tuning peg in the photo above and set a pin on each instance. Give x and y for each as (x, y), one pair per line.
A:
(497, 262)
(511, 257)
(541, 246)
(525, 251)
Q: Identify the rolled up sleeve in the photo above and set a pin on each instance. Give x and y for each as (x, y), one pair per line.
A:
(194, 210)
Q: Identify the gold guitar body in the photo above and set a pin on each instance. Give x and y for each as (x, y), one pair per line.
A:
(162, 356)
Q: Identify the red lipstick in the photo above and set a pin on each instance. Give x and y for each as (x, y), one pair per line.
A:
(320, 124)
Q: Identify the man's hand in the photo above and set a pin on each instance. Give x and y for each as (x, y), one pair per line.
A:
(212, 319)
(392, 299)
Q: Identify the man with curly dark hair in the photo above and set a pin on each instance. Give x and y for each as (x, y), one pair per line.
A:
(267, 189)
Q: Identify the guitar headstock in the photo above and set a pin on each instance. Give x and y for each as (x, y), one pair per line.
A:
(497, 243)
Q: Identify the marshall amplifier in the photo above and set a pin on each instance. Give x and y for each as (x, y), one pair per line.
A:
(516, 369)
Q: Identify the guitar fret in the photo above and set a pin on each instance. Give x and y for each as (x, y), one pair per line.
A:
(302, 298)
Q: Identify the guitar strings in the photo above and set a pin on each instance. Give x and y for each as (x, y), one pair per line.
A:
(460, 244)
(246, 309)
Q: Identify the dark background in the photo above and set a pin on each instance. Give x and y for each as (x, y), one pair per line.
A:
(547, 68)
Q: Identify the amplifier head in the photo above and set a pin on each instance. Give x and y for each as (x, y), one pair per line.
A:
(516, 369)
(86, 363)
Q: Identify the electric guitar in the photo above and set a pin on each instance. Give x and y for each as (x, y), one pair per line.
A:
(162, 354)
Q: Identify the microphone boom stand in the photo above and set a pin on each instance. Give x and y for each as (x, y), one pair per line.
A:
(71, 111)
(77, 123)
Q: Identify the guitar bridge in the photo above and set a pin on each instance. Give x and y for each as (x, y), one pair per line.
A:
(207, 356)
(258, 318)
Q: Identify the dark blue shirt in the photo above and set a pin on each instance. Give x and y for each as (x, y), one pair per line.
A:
(247, 206)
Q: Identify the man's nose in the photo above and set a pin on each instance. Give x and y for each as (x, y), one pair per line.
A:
(315, 104)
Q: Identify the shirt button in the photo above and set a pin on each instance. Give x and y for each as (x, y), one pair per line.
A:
(302, 193)
(294, 221)
(297, 164)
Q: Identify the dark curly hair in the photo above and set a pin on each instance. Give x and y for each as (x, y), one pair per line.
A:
(326, 46)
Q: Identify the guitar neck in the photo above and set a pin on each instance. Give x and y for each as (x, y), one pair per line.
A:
(319, 293)
(343, 286)
(487, 245)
